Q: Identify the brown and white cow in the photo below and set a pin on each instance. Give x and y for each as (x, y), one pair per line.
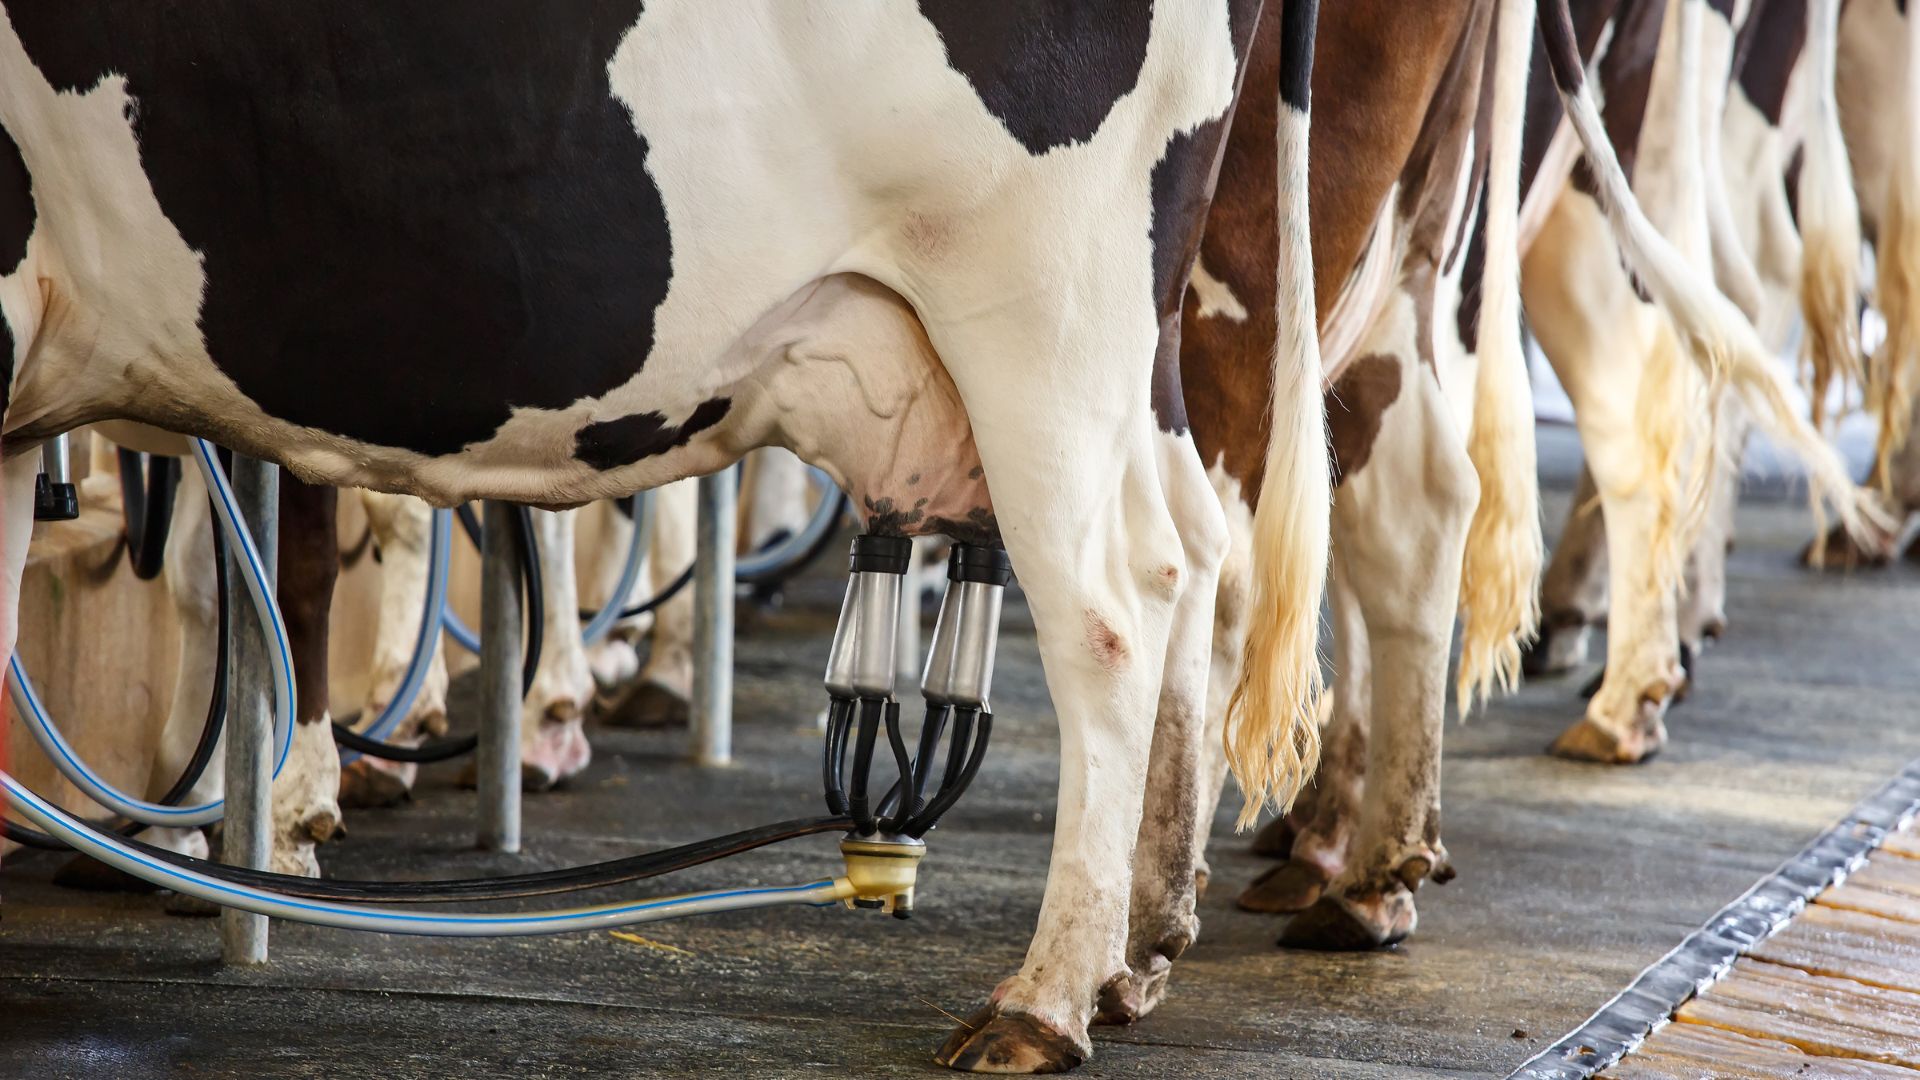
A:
(1399, 432)
(1431, 428)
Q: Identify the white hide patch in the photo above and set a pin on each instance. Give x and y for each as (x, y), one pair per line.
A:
(1215, 297)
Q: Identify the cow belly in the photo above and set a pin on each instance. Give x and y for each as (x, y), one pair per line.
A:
(519, 257)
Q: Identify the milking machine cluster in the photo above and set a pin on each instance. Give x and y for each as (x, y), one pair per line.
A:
(884, 837)
(956, 684)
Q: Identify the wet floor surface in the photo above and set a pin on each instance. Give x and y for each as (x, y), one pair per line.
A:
(1572, 878)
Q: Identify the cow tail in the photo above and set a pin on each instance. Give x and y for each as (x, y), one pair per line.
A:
(1829, 222)
(1897, 282)
(1500, 574)
(1272, 734)
(1713, 333)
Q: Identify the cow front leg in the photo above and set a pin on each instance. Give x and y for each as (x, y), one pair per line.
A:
(1400, 530)
(1314, 838)
(603, 535)
(192, 585)
(306, 810)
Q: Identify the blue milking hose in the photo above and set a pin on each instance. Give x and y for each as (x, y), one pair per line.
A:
(260, 589)
(92, 842)
(439, 556)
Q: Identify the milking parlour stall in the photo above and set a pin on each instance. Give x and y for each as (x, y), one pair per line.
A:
(863, 538)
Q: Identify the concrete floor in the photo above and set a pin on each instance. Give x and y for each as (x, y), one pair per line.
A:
(1572, 878)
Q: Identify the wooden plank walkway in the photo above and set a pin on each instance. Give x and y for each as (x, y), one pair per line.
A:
(1834, 994)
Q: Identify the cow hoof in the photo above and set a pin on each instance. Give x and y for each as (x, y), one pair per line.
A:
(1361, 923)
(1842, 552)
(294, 857)
(991, 1041)
(1588, 741)
(1913, 552)
(89, 875)
(649, 705)
(557, 751)
(1292, 887)
(536, 778)
(1128, 998)
(614, 664)
(1275, 839)
(366, 786)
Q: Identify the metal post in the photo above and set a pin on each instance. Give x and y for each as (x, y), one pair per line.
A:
(497, 760)
(246, 832)
(713, 619)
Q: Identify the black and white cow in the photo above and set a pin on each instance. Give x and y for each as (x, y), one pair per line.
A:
(555, 253)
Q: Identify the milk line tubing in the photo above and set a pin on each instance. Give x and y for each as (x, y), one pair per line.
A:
(773, 563)
(148, 510)
(770, 565)
(370, 742)
(882, 848)
(209, 732)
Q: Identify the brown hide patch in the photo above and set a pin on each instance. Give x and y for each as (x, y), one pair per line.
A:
(1354, 408)
(1226, 367)
(1766, 51)
(309, 565)
(1626, 80)
(1365, 133)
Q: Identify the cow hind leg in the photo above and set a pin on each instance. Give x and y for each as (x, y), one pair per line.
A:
(1319, 831)
(402, 533)
(1605, 345)
(1162, 920)
(1703, 604)
(1232, 598)
(1573, 591)
(553, 741)
(662, 694)
(1400, 527)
